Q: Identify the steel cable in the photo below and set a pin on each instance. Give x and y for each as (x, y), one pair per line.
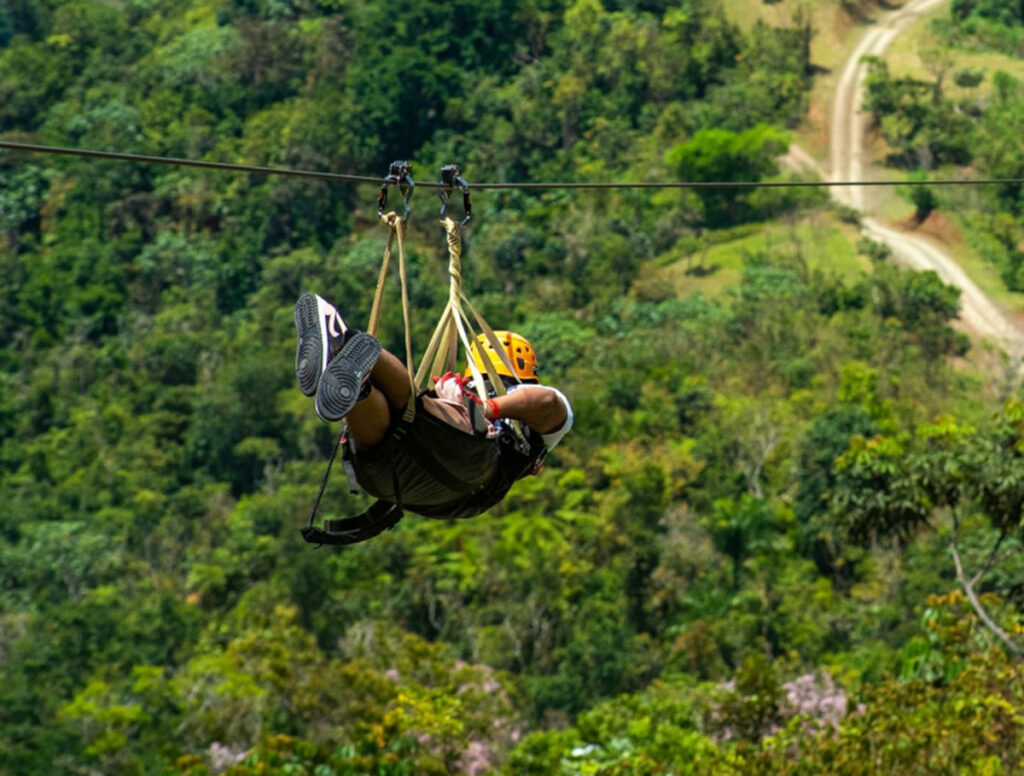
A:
(347, 178)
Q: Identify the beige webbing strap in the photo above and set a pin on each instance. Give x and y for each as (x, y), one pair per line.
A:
(378, 295)
(499, 348)
(454, 327)
(440, 354)
(434, 357)
(397, 226)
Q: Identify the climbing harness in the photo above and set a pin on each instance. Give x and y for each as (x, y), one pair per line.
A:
(454, 327)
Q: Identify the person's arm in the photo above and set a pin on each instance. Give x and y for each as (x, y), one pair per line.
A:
(539, 408)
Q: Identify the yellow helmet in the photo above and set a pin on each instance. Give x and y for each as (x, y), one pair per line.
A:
(520, 354)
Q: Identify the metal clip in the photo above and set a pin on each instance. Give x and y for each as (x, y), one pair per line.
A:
(399, 174)
(451, 177)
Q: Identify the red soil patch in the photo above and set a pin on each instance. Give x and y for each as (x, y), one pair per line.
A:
(940, 226)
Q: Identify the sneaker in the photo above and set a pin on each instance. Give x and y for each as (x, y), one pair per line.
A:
(320, 329)
(341, 384)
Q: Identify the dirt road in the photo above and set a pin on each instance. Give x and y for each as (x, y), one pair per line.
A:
(978, 312)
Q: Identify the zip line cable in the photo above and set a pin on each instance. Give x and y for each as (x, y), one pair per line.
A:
(345, 178)
(42, 149)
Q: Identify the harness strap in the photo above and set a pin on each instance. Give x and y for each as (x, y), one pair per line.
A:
(455, 326)
(378, 294)
(397, 226)
(346, 460)
(381, 516)
(492, 374)
(309, 530)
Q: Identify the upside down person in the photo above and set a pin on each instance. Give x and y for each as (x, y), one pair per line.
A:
(459, 455)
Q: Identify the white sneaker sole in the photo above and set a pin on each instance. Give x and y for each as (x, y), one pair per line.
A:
(343, 379)
(311, 329)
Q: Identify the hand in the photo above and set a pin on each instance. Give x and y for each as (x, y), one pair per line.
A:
(448, 387)
(454, 387)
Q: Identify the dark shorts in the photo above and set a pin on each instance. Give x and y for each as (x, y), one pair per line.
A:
(441, 470)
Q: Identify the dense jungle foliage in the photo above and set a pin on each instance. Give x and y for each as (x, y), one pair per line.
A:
(783, 536)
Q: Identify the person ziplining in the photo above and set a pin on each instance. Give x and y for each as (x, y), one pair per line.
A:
(452, 451)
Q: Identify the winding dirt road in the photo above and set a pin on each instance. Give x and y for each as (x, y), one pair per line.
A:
(977, 311)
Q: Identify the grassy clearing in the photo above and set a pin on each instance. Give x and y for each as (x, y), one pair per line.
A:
(832, 25)
(986, 277)
(891, 204)
(907, 54)
(956, 239)
(824, 241)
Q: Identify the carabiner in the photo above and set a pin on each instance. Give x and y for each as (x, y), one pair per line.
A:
(451, 176)
(399, 174)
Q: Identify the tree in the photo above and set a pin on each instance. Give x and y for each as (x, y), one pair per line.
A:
(924, 200)
(721, 155)
(916, 725)
(890, 487)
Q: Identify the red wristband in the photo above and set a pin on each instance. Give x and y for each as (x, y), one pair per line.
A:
(493, 411)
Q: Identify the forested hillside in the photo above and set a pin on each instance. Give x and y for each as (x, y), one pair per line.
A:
(962, 112)
(782, 537)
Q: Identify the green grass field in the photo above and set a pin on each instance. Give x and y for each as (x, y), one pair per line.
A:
(909, 52)
(824, 241)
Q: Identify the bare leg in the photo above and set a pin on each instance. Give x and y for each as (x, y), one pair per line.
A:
(370, 419)
(390, 377)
